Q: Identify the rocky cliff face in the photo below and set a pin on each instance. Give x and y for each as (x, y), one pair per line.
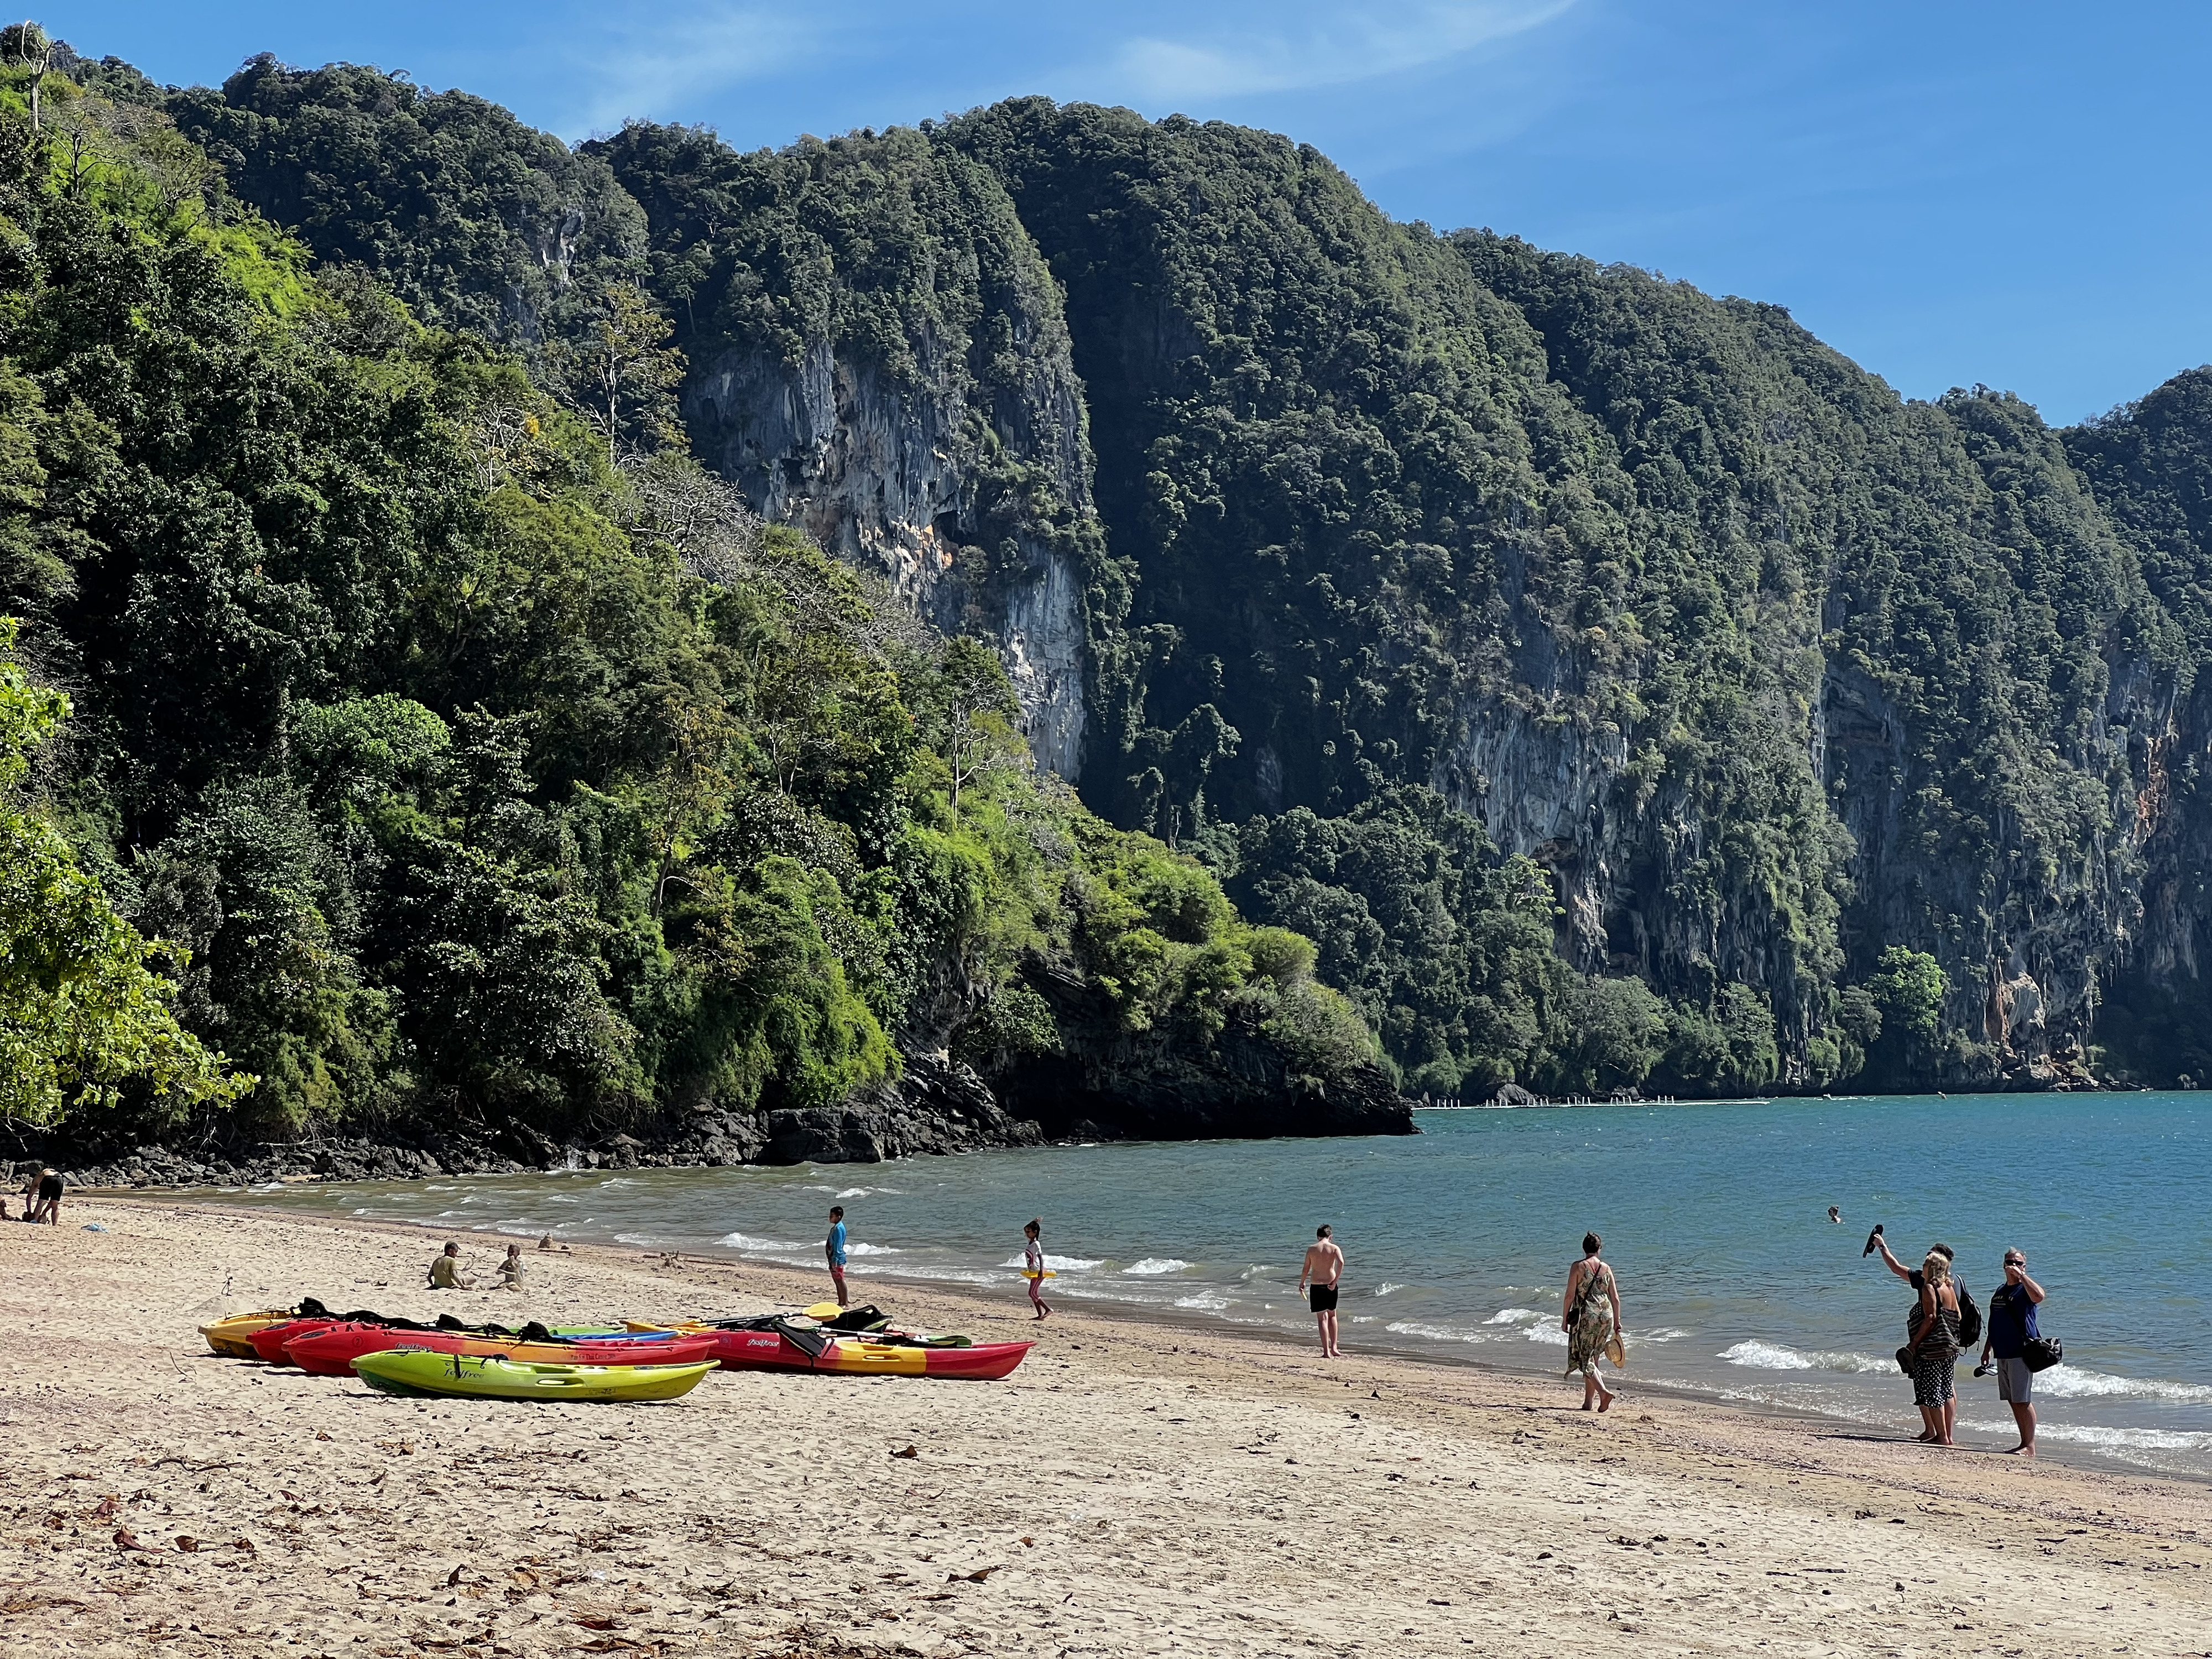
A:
(1769, 668)
(878, 356)
(894, 478)
(940, 1107)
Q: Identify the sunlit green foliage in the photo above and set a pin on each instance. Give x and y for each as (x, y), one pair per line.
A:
(486, 761)
(83, 1021)
(1825, 671)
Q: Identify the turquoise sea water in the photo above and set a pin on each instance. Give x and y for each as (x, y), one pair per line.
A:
(1734, 1281)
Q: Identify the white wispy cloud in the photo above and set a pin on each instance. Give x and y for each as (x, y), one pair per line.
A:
(1301, 47)
(674, 58)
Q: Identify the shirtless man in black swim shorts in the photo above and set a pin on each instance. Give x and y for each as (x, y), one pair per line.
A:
(1318, 1278)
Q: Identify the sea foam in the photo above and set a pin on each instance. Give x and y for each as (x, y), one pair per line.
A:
(747, 1242)
(2071, 1382)
(1438, 1333)
(1777, 1357)
(1156, 1264)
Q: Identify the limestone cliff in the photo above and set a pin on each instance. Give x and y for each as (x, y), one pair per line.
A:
(1767, 667)
(878, 356)
(899, 479)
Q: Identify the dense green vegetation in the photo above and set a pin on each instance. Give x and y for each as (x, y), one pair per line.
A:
(474, 762)
(1824, 730)
(905, 256)
(82, 1018)
(475, 221)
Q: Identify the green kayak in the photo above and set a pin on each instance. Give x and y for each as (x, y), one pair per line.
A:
(421, 1371)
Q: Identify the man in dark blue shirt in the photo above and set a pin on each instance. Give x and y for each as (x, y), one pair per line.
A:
(2012, 1323)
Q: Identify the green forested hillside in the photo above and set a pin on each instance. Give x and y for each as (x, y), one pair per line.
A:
(468, 776)
(1616, 686)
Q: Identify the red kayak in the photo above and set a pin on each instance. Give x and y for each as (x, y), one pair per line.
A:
(331, 1351)
(270, 1343)
(784, 1348)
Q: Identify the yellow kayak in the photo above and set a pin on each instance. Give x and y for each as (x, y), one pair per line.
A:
(421, 1370)
(232, 1334)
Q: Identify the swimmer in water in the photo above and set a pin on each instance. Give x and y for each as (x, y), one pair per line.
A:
(1835, 1212)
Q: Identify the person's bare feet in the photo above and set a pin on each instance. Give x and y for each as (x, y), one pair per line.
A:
(2022, 1450)
(1604, 1404)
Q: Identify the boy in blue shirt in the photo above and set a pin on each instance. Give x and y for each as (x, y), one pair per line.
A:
(833, 1247)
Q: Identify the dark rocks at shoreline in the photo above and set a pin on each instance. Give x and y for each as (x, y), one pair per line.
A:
(938, 1107)
(2065, 1071)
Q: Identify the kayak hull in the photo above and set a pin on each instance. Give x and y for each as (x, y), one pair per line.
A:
(272, 1343)
(268, 1343)
(331, 1351)
(234, 1337)
(769, 1351)
(418, 1371)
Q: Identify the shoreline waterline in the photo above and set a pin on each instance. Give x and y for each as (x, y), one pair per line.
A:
(913, 1225)
(1195, 1326)
(1128, 1488)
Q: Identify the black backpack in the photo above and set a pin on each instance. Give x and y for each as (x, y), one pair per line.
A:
(1970, 1319)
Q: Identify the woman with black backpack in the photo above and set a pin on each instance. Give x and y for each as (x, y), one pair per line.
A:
(1964, 1330)
(1934, 1342)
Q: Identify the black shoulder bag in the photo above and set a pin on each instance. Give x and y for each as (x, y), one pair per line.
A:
(2040, 1352)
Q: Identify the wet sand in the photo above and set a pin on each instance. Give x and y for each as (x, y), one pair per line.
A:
(1132, 1489)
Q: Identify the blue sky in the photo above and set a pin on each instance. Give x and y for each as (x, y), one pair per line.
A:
(1949, 192)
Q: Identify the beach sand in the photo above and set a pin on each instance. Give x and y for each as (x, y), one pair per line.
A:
(1132, 1489)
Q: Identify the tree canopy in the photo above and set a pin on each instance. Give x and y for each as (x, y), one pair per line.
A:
(475, 754)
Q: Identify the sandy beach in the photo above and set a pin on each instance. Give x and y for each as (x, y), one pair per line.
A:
(1132, 1489)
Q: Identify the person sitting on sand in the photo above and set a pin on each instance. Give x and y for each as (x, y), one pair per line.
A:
(510, 1271)
(1033, 1267)
(1590, 1316)
(446, 1271)
(1321, 1277)
(833, 1249)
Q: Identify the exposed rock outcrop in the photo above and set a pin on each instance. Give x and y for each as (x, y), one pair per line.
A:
(937, 1107)
(893, 476)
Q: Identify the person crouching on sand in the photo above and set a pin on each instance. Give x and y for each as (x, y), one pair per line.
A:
(1033, 1267)
(510, 1271)
(1320, 1278)
(1590, 1316)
